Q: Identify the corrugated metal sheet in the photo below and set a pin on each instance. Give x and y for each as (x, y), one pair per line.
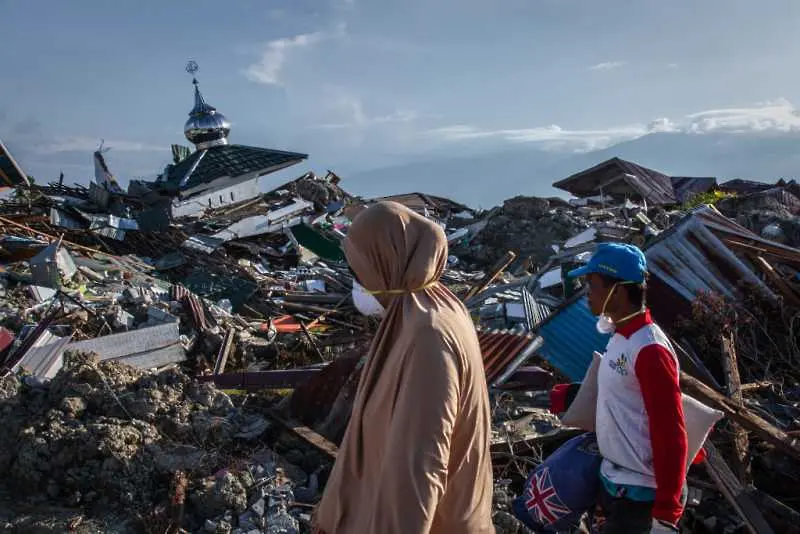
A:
(617, 177)
(535, 312)
(570, 337)
(45, 358)
(203, 243)
(691, 257)
(111, 233)
(767, 199)
(59, 218)
(147, 348)
(499, 349)
(202, 319)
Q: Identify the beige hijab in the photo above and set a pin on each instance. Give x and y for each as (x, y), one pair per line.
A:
(415, 457)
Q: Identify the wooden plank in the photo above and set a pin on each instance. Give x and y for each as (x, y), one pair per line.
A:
(779, 283)
(226, 349)
(741, 443)
(741, 415)
(734, 492)
(312, 438)
(496, 271)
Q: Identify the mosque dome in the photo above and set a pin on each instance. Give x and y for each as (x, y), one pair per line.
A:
(206, 126)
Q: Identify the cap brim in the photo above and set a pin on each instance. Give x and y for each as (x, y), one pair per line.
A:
(580, 271)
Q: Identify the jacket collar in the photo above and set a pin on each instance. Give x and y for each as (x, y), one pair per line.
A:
(635, 324)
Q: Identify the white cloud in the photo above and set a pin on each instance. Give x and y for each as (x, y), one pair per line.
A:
(90, 144)
(672, 65)
(608, 65)
(776, 116)
(354, 116)
(552, 137)
(276, 53)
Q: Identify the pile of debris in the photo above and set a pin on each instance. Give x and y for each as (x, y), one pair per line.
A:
(150, 449)
(192, 364)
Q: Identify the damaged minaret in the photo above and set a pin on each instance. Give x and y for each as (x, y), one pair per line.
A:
(217, 172)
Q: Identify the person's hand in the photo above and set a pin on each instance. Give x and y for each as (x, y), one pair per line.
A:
(662, 527)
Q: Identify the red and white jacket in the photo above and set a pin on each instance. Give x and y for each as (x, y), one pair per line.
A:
(641, 430)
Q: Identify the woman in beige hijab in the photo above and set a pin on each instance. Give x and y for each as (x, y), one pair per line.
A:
(415, 456)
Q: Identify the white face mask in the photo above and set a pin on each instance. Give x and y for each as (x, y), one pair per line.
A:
(605, 325)
(365, 303)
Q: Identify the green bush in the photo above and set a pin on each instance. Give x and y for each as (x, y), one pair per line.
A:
(710, 197)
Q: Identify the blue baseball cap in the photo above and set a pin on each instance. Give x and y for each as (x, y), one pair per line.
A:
(617, 260)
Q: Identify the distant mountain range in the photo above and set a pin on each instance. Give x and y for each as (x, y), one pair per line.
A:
(487, 179)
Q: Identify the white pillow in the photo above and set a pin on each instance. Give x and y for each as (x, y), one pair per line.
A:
(700, 419)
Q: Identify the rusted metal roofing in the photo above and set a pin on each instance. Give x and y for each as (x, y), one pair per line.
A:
(501, 349)
(619, 178)
(766, 200)
(695, 255)
(202, 319)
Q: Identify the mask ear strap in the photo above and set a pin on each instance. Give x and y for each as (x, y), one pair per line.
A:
(634, 314)
(608, 297)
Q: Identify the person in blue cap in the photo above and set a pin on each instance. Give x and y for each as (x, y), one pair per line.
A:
(640, 425)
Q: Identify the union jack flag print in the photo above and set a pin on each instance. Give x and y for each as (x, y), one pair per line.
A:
(541, 499)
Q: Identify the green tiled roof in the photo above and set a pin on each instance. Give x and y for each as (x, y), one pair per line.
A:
(229, 160)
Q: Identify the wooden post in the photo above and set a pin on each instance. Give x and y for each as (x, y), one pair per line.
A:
(741, 442)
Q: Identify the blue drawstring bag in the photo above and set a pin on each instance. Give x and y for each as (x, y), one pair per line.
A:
(563, 487)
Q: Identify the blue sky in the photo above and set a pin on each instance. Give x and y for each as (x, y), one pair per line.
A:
(359, 84)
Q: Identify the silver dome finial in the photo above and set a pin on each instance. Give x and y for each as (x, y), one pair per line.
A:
(206, 126)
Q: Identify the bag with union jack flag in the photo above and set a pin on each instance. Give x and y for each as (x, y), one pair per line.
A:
(563, 487)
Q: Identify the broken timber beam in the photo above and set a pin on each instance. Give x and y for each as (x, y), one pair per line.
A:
(71, 244)
(499, 267)
(226, 349)
(736, 494)
(741, 443)
(741, 415)
(316, 440)
(784, 288)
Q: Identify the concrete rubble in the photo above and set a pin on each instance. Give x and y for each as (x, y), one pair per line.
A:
(195, 374)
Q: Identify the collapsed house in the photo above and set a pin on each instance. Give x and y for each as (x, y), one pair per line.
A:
(220, 321)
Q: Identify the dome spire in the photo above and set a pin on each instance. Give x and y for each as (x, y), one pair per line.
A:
(206, 126)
